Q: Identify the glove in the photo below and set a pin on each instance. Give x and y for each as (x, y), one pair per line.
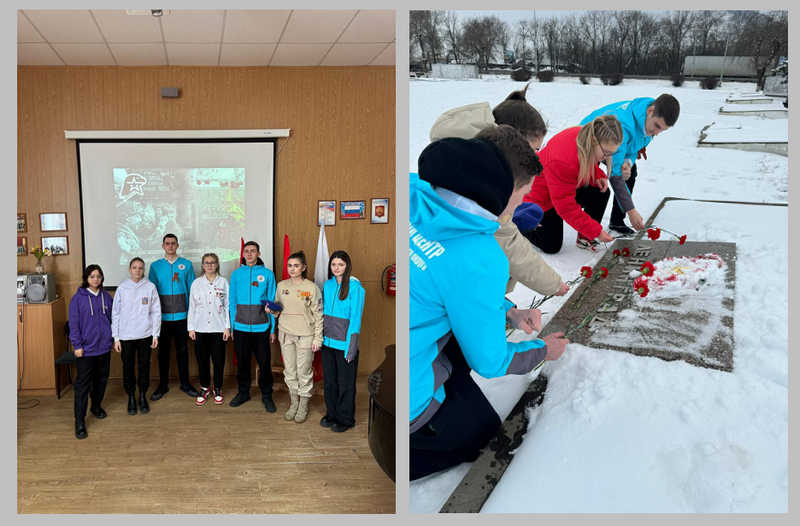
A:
(642, 153)
(527, 216)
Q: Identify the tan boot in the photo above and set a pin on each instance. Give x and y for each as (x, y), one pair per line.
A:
(302, 410)
(292, 408)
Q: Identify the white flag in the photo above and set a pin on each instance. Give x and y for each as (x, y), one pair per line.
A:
(321, 267)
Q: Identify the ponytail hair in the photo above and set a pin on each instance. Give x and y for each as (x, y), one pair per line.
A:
(606, 129)
(517, 112)
(301, 257)
(344, 289)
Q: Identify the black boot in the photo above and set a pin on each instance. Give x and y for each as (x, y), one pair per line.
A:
(131, 405)
(98, 412)
(80, 430)
(143, 406)
(269, 405)
(159, 393)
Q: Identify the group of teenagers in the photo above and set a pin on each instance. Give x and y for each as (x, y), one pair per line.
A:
(252, 310)
(484, 195)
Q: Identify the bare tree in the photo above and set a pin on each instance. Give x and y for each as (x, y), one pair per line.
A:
(703, 27)
(452, 33)
(425, 29)
(524, 36)
(551, 32)
(573, 42)
(619, 34)
(677, 25)
(481, 38)
(768, 35)
(504, 36)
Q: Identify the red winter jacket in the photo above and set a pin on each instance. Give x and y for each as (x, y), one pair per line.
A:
(556, 185)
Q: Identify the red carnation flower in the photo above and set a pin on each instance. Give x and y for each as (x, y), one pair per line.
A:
(654, 233)
(640, 286)
(626, 253)
(586, 272)
(603, 272)
(682, 239)
(647, 269)
(617, 253)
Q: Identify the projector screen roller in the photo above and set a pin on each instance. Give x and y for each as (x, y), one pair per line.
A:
(209, 194)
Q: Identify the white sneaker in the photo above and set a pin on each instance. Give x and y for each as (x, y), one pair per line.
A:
(218, 398)
(588, 244)
(204, 392)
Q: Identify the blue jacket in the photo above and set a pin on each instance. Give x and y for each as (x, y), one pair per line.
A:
(250, 285)
(342, 318)
(90, 322)
(631, 115)
(458, 275)
(173, 282)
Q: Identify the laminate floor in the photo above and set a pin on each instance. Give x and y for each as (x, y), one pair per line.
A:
(184, 458)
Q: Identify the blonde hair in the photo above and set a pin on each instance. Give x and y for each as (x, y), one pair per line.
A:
(213, 256)
(606, 129)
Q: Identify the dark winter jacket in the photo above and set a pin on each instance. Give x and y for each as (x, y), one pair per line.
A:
(556, 185)
(90, 322)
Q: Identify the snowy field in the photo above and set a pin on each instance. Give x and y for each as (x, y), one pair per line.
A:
(623, 433)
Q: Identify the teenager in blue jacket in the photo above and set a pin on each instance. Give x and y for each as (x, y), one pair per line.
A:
(253, 324)
(458, 274)
(90, 334)
(641, 119)
(343, 305)
(173, 276)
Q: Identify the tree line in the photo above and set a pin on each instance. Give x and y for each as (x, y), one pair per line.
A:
(627, 42)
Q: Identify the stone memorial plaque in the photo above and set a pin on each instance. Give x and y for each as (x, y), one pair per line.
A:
(696, 327)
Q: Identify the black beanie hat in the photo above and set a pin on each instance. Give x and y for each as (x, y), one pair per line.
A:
(474, 168)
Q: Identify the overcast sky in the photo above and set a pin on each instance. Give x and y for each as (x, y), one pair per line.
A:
(513, 16)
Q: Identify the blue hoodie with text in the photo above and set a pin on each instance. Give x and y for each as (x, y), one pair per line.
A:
(173, 282)
(342, 317)
(458, 275)
(249, 286)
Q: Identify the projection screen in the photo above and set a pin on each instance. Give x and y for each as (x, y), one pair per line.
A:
(210, 193)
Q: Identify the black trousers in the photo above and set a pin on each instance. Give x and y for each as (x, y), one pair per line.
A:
(617, 215)
(340, 385)
(460, 429)
(130, 348)
(173, 330)
(550, 235)
(92, 375)
(210, 345)
(246, 344)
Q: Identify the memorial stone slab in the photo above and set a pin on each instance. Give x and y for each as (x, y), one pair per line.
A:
(697, 329)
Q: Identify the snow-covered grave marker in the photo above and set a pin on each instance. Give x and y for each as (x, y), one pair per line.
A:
(689, 318)
(769, 136)
(768, 111)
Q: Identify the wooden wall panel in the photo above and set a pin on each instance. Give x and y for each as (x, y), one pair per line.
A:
(342, 147)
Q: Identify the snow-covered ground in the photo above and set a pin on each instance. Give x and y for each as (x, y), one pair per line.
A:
(618, 432)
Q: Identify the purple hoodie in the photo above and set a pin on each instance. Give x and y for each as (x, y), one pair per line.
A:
(90, 322)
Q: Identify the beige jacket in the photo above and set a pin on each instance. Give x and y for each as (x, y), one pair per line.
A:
(524, 264)
(302, 309)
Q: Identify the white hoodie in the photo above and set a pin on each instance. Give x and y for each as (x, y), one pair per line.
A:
(137, 311)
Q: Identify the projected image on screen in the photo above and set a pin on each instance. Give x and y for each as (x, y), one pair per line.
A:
(204, 207)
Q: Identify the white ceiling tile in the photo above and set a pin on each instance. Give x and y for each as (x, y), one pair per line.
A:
(316, 26)
(58, 25)
(118, 26)
(85, 54)
(255, 26)
(371, 26)
(37, 55)
(352, 54)
(193, 54)
(299, 54)
(26, 31)
(246, 54)
(139, 54)
(198, 25)
(387, 57)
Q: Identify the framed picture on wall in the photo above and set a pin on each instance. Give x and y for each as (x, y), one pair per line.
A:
(53, 222)
(22, 246)
(58, 245)
(326, 215)
(380, 211)
(22, 223)
(352, 210)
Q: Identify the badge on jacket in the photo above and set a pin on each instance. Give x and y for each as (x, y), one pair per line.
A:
(181, 266)
(145, 300)
(260, 279)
